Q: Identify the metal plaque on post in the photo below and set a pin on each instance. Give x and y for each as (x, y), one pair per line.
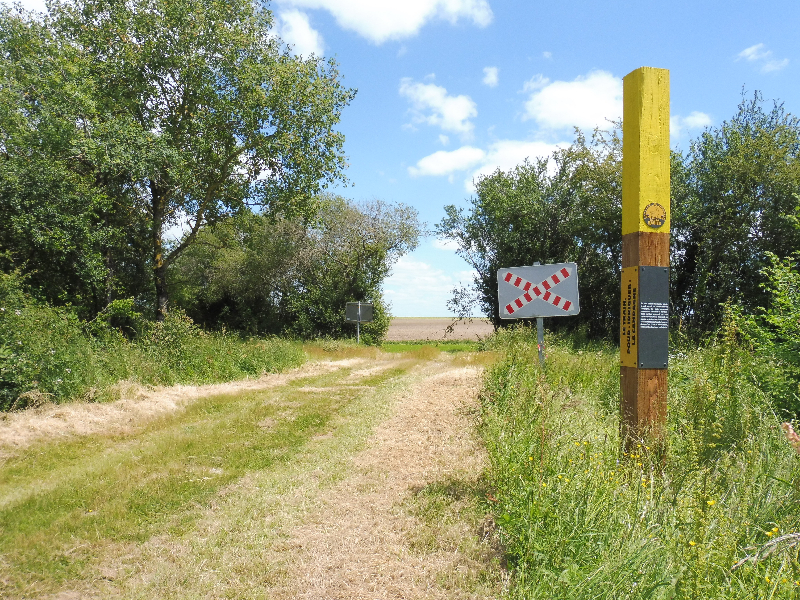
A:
(358, 312)
(653, 317)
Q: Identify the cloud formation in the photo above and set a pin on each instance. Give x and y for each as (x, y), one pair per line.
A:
(295, 29)
(447, 163)
(431, 104)
(417, 288)
(490, 76)
(382, 21)
(696, 120)
(587, 102)
(759, 55)
(502, 154)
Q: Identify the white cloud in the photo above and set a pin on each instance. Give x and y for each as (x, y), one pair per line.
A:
(758, 54)
(295, 29)
(547, 55)
(695, 120)
(415, 288)
(443, 139)
(587, 102)
(679, 125)
(382, 21)
(503, 154)
(507, 154)
(490, 76)
(431, 104)
(445, 163)
(754, 53)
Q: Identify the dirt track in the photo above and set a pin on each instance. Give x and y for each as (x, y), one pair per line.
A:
(296, 533)
(405, 329)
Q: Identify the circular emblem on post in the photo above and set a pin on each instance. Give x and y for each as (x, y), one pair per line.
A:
(654, 215)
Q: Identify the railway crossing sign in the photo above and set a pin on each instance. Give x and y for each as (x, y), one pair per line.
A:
(538, 291)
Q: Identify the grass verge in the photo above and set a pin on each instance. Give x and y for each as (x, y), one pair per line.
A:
(48, 355)
(71, 511)
(717, 517)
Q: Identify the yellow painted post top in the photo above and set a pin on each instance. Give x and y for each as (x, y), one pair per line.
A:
(645, 151)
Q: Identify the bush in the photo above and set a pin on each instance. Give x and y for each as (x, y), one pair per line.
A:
(48, 354)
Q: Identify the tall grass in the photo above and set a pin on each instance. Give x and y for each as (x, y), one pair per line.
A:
(581, 518)
(48, 354)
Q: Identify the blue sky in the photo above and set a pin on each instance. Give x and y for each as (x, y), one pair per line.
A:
(450, 89)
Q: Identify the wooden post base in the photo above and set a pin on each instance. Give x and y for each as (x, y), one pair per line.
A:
(644, 404)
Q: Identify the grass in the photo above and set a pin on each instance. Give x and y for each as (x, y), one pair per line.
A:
(580, 518)
(449, 346)
(67, 507)
(47, 355)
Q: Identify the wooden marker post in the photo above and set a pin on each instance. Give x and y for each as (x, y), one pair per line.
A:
(644, 311)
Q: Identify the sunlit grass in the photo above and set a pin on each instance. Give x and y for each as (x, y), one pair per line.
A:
(581, 518)
(62, 503)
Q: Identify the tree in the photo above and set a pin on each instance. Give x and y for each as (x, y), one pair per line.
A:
(259, 274)
(735, 201)
(567, 208)
(196, 113)
(68, 221)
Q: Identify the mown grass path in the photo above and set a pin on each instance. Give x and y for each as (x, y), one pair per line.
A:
(357, 478)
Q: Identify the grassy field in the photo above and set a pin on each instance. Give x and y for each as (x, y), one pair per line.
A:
(220, 497)
(68, 507)
(717, 516)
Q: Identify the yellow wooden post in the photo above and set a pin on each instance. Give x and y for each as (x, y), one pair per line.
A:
(645, 253)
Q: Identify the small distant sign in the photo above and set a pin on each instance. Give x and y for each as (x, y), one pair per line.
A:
(538, 291)
(358, 312)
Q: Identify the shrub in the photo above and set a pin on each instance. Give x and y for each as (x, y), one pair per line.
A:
(48, 354)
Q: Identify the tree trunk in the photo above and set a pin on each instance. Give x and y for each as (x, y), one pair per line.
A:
(159, 268)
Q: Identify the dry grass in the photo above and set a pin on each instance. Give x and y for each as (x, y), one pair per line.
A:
(365, 509)
(361, 541)
(137, 406)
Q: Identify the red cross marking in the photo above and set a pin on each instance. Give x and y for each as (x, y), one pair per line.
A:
(546, 295)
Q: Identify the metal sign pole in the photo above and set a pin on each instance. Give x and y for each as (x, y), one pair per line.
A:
(540, 332)
(358, 325)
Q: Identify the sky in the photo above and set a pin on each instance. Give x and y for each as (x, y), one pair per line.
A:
(448, 90)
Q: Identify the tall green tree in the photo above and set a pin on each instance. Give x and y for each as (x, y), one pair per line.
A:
(262, 275)
(67, 212)
(735, 202)
(196, 113)
(566, 208)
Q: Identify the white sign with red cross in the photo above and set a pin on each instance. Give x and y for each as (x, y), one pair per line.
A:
(538, 291)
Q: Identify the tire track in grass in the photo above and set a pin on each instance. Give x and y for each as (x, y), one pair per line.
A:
(378, 500)
(63, 503)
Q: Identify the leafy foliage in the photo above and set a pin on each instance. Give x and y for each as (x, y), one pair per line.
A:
(263, 275)
(735, 201)
(144, 115)
(565, 209)
(48, 355)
